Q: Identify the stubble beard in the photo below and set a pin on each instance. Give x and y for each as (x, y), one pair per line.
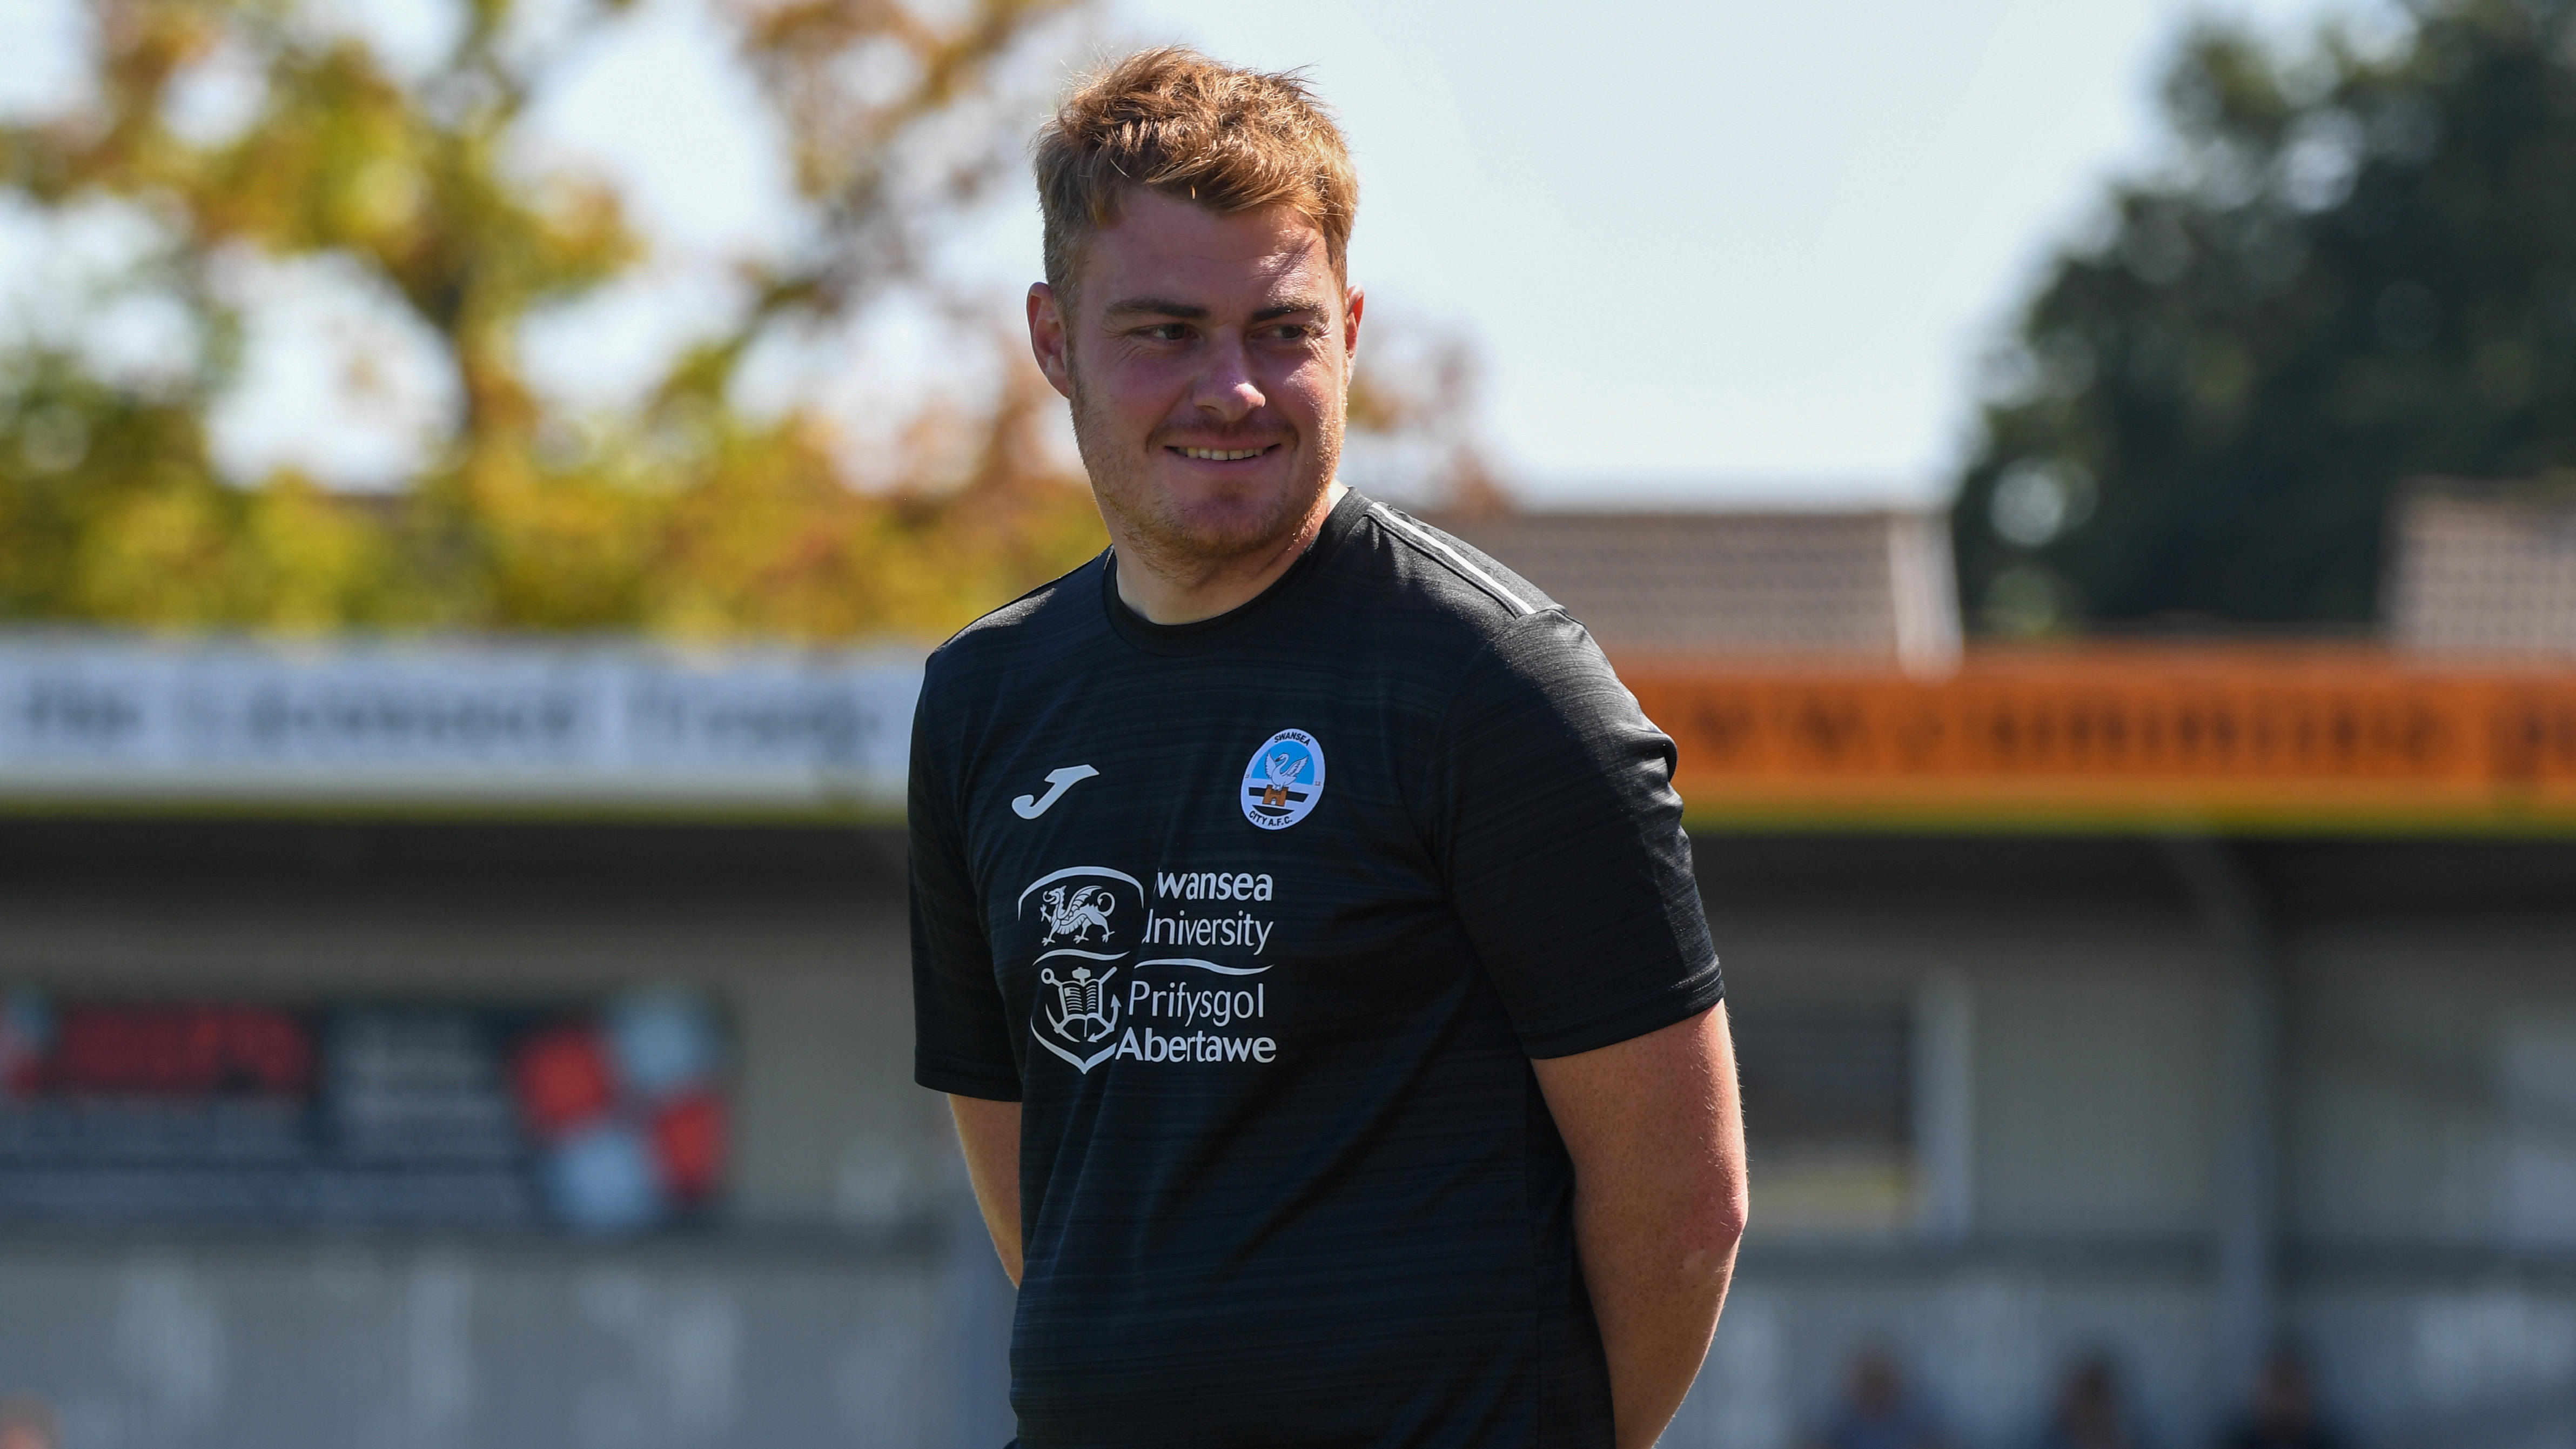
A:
(1170, 540)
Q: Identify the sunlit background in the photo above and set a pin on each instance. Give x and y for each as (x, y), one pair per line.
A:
(2084, 485)
(1791, 231)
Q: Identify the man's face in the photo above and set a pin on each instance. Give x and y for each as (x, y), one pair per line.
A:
(1207, 357)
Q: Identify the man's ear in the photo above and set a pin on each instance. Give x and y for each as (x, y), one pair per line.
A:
(1050, 339)
(1354, 302)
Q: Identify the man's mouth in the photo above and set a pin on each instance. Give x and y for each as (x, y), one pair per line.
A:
(1222, 455)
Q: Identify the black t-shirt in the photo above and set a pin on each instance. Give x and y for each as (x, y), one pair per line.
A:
(1262, 918)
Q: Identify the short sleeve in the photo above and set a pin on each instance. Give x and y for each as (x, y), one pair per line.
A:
(1553, 814)
(960, 1041)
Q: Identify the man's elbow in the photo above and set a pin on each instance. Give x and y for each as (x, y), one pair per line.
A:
(1707, 1230)
(1732, 1211)
(1719, 1224)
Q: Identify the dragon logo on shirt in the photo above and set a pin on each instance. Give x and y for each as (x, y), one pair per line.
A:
(1076, 918)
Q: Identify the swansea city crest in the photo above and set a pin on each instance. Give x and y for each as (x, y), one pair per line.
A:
(1283, 780)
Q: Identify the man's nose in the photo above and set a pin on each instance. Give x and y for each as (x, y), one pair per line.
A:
(1227, 389)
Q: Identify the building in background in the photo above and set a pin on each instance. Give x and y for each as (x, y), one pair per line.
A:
(1870, 588)
(2484, 569)
(478, 1042)
(510, 1045)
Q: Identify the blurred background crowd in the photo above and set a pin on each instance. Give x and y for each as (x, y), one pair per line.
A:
(2087, 492)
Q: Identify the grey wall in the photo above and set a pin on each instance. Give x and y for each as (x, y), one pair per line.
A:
(2428, 1144)
(2427, 1189)
(408, 1346)
(848, 1299)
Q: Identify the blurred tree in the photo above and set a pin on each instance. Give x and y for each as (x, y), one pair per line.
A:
(1413, 436)
(2363, 269)
(687, 514)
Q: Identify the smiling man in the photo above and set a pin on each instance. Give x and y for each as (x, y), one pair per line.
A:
(1303, 929)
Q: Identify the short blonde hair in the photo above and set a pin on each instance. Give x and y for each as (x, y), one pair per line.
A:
(1172, 120)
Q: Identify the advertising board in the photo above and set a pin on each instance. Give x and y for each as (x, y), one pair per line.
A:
(359, 1114)
(2234, 737)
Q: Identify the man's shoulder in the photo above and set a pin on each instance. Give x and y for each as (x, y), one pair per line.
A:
(1425, 577)
(1480, 643)
(1037, 626)
(1440, 598)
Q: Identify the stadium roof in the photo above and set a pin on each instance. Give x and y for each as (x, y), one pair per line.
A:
(1867, 587)
(2485, 569)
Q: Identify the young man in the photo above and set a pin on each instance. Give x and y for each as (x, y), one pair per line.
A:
(1303, 929)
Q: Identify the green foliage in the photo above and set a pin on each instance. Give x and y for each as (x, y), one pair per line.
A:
(687, 516)
(2362, 270)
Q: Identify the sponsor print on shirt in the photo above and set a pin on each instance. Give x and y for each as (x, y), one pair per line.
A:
(1097, 1003)
(1283, 780)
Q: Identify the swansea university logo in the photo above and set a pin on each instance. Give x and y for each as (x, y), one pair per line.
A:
(1082, 1002)
(1077, 918)
(1283, 780)
(1077, 1013)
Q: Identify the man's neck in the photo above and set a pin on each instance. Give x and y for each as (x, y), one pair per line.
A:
(1182, 591)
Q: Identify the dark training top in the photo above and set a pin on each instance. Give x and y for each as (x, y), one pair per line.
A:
(1262, 918)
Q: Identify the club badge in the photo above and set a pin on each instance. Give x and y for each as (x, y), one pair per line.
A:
(1284, 780)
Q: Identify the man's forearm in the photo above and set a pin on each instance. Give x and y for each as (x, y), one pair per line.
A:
(1656, 1297)
(989, 1134)
(1658, 1146)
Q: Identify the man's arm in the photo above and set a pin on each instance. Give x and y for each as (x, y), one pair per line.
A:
(990, 1133)
(1657, 1138)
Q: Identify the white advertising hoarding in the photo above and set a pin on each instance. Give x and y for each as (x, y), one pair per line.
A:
(467, 724)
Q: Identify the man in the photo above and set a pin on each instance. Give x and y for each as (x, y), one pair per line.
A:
(27, 1422)
(2285, 1413)
(1303, 929)
(1879, 1411)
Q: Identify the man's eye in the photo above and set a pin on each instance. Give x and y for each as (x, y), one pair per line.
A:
(1167, 332)
(1291, 332)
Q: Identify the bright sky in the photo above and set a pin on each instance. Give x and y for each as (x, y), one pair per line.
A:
(1723, 250)
(1727, 249)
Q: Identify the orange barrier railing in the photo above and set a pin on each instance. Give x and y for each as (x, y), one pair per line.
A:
(2248, 737)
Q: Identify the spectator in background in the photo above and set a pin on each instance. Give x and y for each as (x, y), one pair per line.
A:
(27, 1422)
(2089, 1412)
(1880, 1412)
(2285, 1412)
